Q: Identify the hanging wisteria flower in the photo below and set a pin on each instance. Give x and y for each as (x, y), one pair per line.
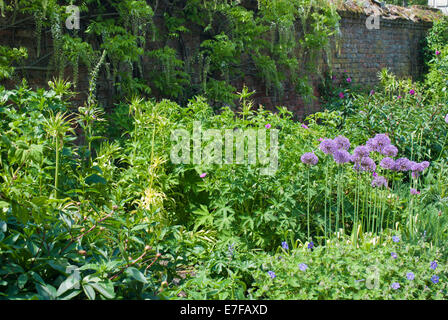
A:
(388, 163)
(268, 126)
(433, 265)
(393, 255)
(309, 158)
(342, 142)
(402, 164)
(395, 285)
(414, 191)
(379, 181)
(435, 279)
(341, 95)
(303, 267)
(271, 274)
(410, 276)
(395, 239)
(285, 245)
(341, 156)
(390, 151)
(412, 92)
(203, 175)
(328, 146)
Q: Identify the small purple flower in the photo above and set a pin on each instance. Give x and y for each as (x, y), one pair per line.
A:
(203, 175)
(435, 279)
(304, 126)
(328, 146)
(437, 52)
(410, 276)
(412, 92)
(271, 274)
(425, 164)
(320, 139)
(433, 265)
(268, 126)
(379, 181)
(311, 245)
(285, 245)
(341, 95)
(414, 191)
(342, 143)
(341, 156)
(393, 255)
(309, 158)
(390, 151)
(396, 239)
(303, 267)
(372, 92)
(374, 174)
(388, 163)
(399, 97)
(446, 118)
(349, 79)
(395, 285)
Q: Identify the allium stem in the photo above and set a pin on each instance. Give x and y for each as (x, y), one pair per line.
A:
(308, 205)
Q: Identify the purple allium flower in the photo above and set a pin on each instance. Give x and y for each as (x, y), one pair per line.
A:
(311, 245)
(361, 152)
(349, 79)
(268, 126)
(341, 95)
(374, 174)
(303, 267)
(435, 279)
(396, 239)
(402, 164)
(437, 52)
(382, 141)
(372, 144)
(309, 158)
(425, 164)
(271, 274)
(446, 118)
(410, 276)
(304, 126)
(342, 143)
(388, 163)
(328, 146)
(395, 285)
(203, 175)
(393, 255)
(367, 164)
(412, 92)
(414, 191)
(390, 151)
(379, 181)
(285, 245)
(433, 265)
(341, 156)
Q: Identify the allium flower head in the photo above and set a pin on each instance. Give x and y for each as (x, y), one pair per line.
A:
(372, 144)
(396, 239)
(425, 164)
(388, 163)
(341, 156)
(309, 158)
(360, 152)
(393, 255)
(435, 279)
(433, 265)
(402, 164)
(410, 276)
(342, 143)
(328, 146)
(412, 92)
(285, 245)
(271, 274)
(395, 285)
(367, 164)
(382, 141)
(303, 267)
(390, 151)
(379, 181)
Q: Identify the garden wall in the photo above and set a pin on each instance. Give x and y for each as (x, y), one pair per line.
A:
(359, 51)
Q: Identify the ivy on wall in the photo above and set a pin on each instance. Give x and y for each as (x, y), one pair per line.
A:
(273, 40)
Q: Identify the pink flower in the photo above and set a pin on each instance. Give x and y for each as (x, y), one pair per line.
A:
(305, 126)
(446, 118)
(437, 52)
(322, 139)
(268, 126)
(411, 92)
(345, 70)
(372, 92)
(414, 191)
(349, 79)
(341, 95)
(203, 175)
(399, 97)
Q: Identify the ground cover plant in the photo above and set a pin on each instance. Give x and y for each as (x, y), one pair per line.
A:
(92, 205)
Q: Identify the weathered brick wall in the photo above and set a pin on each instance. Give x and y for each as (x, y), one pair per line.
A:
(362, 53)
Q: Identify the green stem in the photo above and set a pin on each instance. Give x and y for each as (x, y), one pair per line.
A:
(56, 173)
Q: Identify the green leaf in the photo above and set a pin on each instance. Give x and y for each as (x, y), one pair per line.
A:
(135, 274)
(22, 280)
(105, 289)
(88, 290)
(68, 284)
(94, 178)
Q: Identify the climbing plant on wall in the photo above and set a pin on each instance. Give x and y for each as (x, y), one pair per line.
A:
(272, 40)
